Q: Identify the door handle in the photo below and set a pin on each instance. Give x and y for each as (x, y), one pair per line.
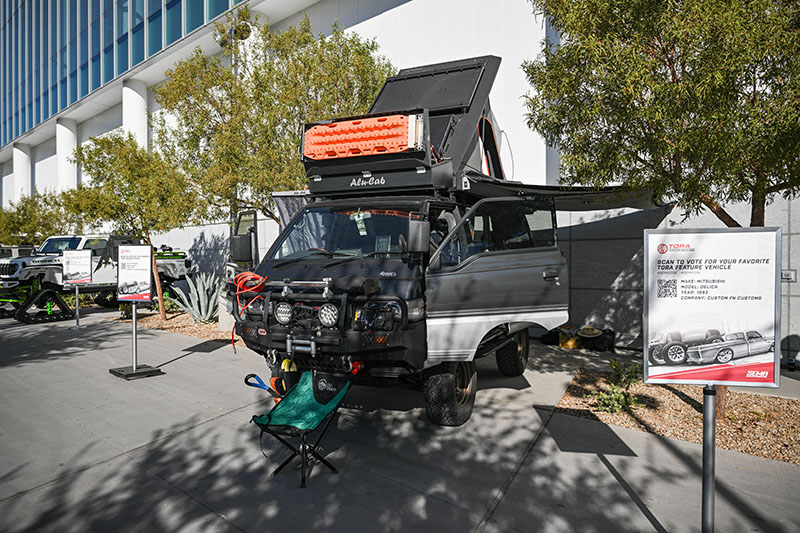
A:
(550, 275)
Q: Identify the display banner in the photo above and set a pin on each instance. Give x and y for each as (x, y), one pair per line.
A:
(712, 306)
(76, 267)
(134, 273)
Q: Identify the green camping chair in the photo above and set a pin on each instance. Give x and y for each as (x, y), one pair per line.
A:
(311, 403)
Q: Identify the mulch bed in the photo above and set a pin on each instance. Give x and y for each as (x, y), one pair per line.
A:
(182, 324)
(764, 426)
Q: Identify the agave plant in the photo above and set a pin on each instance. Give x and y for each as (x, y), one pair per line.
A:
(202, 303)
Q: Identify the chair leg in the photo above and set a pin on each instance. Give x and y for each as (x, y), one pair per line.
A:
(314, 453)
(286, 462)
(304, 459)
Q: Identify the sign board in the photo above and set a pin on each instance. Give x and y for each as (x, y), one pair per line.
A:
(712, 306)
(134, 273)
(76, 267)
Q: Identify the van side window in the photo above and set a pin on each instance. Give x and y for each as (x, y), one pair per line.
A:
(500, 225)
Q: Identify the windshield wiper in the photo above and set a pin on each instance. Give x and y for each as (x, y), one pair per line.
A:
(326, 253)
(369, 254)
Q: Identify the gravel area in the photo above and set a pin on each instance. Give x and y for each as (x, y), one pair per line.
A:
(765, 426)
(182, 324)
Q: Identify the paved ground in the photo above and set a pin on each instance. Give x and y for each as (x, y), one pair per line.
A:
(81, 450)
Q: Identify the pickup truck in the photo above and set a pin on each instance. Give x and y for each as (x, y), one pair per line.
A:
(34, 282)
(732, 346)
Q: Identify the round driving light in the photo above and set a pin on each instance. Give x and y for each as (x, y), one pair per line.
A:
(396, 309)
(328, 315)
(283, 313)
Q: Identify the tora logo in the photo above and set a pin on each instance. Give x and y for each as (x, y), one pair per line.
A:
(757, 374)
(664, 248)
(367, 182)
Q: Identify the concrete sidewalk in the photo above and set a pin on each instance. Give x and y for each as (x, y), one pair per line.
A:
(82, 450)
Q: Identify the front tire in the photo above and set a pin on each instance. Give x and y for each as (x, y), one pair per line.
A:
(674, 353)
(449, 391)
(512, 359)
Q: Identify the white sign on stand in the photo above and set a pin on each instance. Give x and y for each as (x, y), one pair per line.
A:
(134, 273)
(712, 316)
(76, 269)
(712, 306)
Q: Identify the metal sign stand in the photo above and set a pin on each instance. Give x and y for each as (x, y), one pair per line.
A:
(709, 449)
(77, 310)
(135, 371)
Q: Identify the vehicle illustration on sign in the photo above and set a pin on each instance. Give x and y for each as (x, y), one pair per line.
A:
(708, 346)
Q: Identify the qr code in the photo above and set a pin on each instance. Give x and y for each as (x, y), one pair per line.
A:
(667, 288)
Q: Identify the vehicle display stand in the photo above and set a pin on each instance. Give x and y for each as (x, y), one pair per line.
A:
(709, 451)
(77, 310)
(135, 371)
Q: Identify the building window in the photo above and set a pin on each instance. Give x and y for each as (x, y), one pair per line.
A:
(194, 15)
(95, 47)
(108, 40)
(137, 32)
(122, 55)
(154, 42)
(216, 7)
(173, 21)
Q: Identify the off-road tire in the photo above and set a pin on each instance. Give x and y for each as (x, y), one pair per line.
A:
(675, 353)
(449, 391)
(512, 359)
(655, 354)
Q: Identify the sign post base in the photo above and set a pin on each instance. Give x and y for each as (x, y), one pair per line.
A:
(142, 371)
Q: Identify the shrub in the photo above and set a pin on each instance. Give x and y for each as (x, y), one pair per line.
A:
(618, 396)
(202, 303)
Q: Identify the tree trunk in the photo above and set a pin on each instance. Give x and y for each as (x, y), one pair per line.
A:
(161, 309)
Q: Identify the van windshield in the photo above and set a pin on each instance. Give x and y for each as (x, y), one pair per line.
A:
(342, 232)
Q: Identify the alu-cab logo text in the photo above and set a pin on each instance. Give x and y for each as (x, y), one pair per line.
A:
(367, 182)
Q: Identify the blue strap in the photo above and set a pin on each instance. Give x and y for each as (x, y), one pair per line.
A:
(259, 383)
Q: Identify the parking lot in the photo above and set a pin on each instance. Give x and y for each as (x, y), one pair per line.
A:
(81, 450)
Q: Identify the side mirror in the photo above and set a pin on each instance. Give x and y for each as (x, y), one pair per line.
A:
(241, 249)
(419, 235)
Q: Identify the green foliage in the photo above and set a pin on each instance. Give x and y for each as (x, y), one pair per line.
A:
(202, 303)
(86, 299)
(236, 120)
(696, 100)
(126, 311)
(624, 374)
(170, 306)
(618, 396)
(135, 190)
(34, 218)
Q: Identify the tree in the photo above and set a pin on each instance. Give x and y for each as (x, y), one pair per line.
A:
(696, 100)
(137, 191)
(233, 123)
(34, 218)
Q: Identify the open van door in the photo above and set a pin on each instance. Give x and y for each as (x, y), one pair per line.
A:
(500, 265)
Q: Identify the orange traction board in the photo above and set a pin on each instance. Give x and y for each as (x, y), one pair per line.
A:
(365, 136)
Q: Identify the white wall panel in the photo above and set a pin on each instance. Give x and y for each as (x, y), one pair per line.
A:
(45, 166)
(6, 183)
